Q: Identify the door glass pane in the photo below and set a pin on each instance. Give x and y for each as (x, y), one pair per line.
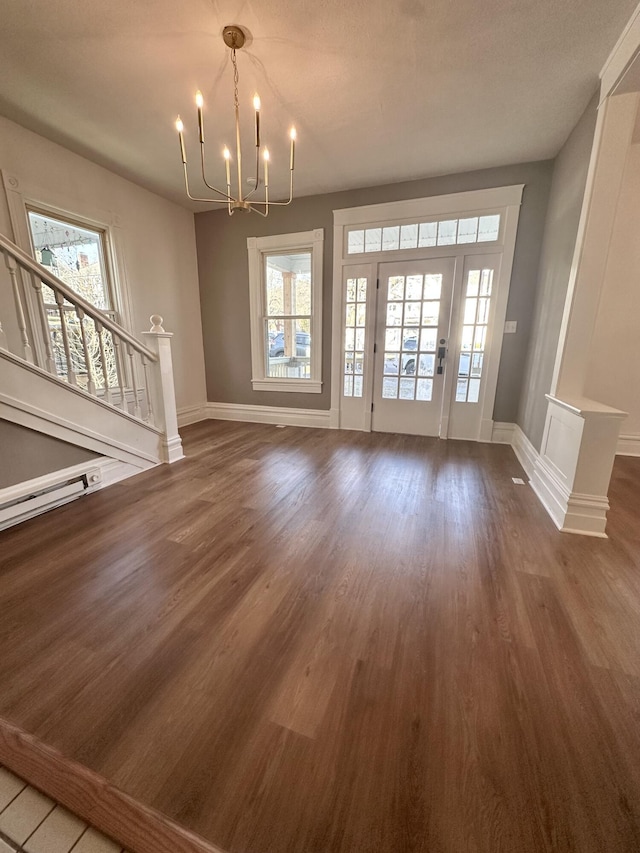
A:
(412, 314)
(396, 287)
(391, 364)
(474, 335)
(394, 314)
(428, 340)
(407, 389)
(354, 335)
(414, 287)
(426, 364)
(392, 339)
(432, 286)
(390, 388)
(424, 390)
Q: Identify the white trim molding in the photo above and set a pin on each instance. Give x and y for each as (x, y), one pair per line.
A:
(502, 433)
(258, 248)
(524, 450)
(628, 445)
(192, 414)
(277, 415)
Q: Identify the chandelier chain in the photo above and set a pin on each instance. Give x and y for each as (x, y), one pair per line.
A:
(236, 103)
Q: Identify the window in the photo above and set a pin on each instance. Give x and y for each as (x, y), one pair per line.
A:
(423, 235)
(285, 285)
(76, 254)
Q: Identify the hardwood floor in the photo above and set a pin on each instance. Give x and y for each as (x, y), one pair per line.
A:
(306, 640)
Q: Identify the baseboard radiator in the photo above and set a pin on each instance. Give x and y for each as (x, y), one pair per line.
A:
(18, 503)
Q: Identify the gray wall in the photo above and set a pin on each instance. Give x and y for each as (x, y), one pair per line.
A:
(561, 228)
(224, 289)
(25, 454)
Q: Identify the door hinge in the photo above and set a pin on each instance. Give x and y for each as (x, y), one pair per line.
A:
(372, 407)
(377, 284)
(375, 348)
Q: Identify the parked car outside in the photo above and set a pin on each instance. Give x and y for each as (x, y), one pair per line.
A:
(303, 345)
(408, 359)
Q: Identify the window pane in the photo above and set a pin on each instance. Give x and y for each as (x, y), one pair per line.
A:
(461, 391)
(362, 290)
(373, 240)
(447, 232)
(359, 363)
(473, 282)
(470, 310)
(426, 365)
(489, 228)
(474, 391)
(432, 286)
(486, 281)
(348, 386)
(483, 310)
(467, 338)
(74, 254)
(357, 386)
(349, 338)
(428, 340)
(394, 313)
(390, 388)
(463, 368)
(391, 364)
(390, 238)
(424, 390)
(408, 236)
(392, 339)
(359, 338)
(348, 363)
(427, 234)
(355, 242)
(288, 284)
(430, 313)
(396, 287)
(412, 313)
(351, 290)
(414, 287)
(468, 230)
(289, 355)
(407, 389)
(361, 314)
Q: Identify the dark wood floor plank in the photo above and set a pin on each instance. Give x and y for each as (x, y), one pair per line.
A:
(306, 640)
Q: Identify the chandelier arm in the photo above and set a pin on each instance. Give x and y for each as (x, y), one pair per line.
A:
(193, 198)
(226, 196)
(280, 203)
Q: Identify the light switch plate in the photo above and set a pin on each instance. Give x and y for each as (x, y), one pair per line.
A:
(510, 327)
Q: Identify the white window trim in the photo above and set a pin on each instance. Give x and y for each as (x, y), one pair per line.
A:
(21, 195)
(257, 248)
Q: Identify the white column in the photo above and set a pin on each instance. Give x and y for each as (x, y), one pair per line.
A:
(162, 388)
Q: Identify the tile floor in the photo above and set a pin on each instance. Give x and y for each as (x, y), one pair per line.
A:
(32, 823)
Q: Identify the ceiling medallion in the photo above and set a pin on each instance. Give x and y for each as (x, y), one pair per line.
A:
(235, 38)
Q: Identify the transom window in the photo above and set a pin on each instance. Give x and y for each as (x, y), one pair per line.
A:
(423, 235)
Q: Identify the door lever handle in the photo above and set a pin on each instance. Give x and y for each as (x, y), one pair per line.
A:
(442, 354)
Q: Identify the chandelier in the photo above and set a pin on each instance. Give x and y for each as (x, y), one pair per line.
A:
(235, 38)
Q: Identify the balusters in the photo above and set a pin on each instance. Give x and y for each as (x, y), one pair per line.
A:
(12, 266)
(50, 364)
(103, 362)
(119, 362)
(71, 375)
(91, 385)
(149, 419)
(137, 411)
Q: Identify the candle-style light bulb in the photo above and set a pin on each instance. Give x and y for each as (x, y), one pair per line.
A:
(265, 156)
(180, 128)
(293, 135)
(200, 104)
(227, 156)
(256, 106)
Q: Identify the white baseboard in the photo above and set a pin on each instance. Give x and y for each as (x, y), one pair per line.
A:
(629, 445)
(33, 497)
(192, 414)
(502, 433)
(524, 450)
(320, 419)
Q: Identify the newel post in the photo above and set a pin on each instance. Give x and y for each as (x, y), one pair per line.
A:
(166, 414)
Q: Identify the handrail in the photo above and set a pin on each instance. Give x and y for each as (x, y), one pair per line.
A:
(55, 283)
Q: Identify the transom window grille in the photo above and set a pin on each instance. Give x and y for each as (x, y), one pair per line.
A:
(288, 314)
(76, 255)
(411, 336)
(474, 335)
(423, 235)
(354, 336)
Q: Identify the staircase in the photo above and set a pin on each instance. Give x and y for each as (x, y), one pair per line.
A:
(69, 371)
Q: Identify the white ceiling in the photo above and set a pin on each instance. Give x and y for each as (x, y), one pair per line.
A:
(379, 91)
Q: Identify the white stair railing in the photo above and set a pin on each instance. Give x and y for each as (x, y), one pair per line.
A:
(84, 346)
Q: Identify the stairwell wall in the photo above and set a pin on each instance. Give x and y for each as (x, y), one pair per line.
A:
(157, 239)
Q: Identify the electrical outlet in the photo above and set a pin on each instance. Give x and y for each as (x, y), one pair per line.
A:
(510, 327)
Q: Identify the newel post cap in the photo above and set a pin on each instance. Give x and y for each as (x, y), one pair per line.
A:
(156, 323)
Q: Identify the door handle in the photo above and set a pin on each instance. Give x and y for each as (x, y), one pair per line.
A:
(442, 354)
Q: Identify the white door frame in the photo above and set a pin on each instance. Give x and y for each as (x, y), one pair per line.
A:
(503, 200)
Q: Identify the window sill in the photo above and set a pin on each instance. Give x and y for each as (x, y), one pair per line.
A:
(298, 386)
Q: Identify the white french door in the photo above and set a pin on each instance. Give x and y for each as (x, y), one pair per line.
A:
(413, 318)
